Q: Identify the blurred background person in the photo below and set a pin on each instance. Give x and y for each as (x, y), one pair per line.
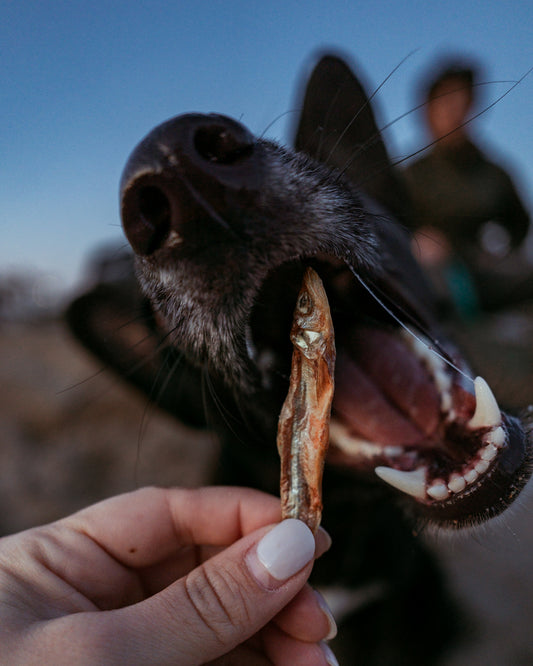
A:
(469, 220)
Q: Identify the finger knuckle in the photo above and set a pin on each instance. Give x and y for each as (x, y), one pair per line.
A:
(218, 600)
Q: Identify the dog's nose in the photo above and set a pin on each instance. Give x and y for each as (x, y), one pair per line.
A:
(190, 167)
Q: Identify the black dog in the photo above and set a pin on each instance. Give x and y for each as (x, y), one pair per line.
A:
(223, 225)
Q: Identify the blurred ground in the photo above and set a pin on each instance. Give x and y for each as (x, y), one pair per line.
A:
(73, 434)
(489, 568)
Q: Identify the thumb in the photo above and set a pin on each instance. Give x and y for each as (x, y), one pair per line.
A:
(229, 597)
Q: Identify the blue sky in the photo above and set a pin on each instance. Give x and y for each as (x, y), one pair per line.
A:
(82, 82)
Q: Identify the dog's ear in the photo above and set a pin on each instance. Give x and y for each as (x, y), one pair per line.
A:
(115, 323)
(337, 126)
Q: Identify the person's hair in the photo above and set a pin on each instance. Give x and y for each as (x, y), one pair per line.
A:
(465, 73)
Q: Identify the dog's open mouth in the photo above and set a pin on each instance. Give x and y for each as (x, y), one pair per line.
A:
(402, 409)
(198, 190)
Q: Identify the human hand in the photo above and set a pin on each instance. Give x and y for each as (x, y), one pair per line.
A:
(431, 247)
(165, 577)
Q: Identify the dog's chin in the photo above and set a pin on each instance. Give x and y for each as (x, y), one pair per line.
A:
(405, 411)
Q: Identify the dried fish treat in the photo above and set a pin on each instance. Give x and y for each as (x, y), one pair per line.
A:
(303, 427)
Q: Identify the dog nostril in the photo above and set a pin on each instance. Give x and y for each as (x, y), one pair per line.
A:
(146, 217)
(154, 208)
(217, 143)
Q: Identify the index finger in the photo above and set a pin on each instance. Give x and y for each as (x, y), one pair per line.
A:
(146, 526)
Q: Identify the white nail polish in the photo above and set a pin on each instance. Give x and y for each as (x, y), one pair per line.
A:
(286, 548)
(329, 615)
(328, 654)
(323, 541)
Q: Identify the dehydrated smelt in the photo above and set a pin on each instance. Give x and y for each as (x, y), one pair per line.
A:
(303, 428)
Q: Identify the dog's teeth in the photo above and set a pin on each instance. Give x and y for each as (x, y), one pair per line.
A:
(471, 476)
(439, 491)
(392, 451)
(497, 437)
(489, 452)
(482, 466)
(456, 483)
(341, 437)
(487, 414)
(412, 483)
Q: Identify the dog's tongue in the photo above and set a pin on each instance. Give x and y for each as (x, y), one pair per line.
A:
(383, 391)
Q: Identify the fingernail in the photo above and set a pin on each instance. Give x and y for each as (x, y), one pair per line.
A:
(282, 552)
(323, 542)
(329, 615)
(328, 654)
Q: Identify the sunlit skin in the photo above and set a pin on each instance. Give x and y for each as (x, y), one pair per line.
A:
(447, 110)
(162, 576)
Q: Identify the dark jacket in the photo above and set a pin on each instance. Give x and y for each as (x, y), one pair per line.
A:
(457, 191)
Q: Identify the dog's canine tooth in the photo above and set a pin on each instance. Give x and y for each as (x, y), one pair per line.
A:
(487, 414)
(412, 483)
